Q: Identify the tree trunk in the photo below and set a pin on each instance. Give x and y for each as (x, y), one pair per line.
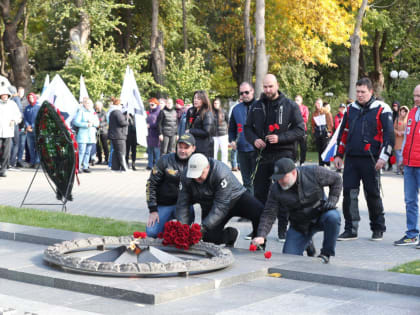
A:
(184, 25)
(14, 47)
(377, 75)
(261, 65)
(79, 35)
(157, 48)
(249, 44)
(355, 50)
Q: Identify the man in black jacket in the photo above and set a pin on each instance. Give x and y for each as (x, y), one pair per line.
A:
(163, 183)
(167, 127)
(366, 138)
(273, 126)
(300, 192)
(212, 184)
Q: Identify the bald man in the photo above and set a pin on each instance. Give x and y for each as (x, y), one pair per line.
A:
(273, 125)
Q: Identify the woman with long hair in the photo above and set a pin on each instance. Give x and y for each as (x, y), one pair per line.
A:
(322, 125)
(221, 137)
(399, 128)
(200, 123)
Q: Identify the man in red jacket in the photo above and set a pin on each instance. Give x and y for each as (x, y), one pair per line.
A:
(411, 161)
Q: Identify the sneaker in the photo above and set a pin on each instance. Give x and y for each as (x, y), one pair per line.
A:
(310, 249)
(148, 168)
(248, 237)
(282, 237)
(407, 241)
(86, 170)
(347, 236)
(325, 259)
(235, 233)
(377, 236)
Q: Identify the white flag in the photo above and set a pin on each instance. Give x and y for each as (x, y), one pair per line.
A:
(83, 90)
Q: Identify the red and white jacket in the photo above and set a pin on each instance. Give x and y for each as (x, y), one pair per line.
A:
(411, 152)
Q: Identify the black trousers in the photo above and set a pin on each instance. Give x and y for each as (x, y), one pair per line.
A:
(262, 183)
(355, 169)
(5, 144)
(131, 145)
(302, 148)
(118, 156)
(102, 143)
(246, 206)
(321, 145)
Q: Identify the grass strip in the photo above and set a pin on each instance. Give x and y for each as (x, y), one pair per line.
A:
(69, 222)
(412, 267)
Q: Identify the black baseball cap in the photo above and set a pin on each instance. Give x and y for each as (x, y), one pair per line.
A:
(282, 167)
(187, 138)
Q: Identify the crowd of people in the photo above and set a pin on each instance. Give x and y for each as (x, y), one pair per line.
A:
(268, 136)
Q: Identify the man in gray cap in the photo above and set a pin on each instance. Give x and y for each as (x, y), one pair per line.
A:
(162, 185)
(221, 196)
(300, 192)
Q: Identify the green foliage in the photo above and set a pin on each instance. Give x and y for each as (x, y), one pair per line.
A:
(69, 222)
(185, 73)
(401, 90)
(103, 69)
(295, 78)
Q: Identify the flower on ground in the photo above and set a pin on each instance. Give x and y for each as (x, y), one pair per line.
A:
(252, 247)
(267, 254)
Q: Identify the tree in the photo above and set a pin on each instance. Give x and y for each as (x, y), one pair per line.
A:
(249, 44)
(157, 48)
(184, 25)
(18, 54)
(355, 50)
(79, 34)
(186, 73)
(261, 66)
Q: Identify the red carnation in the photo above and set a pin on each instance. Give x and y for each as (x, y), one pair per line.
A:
(267, 255)
(271, 128)
(160, 235)
(367, 146)
(239, 125)
(276, 126)
(143, 235)
(392, 160)
(240, 130)
(191, 120)
(332, 159)
(136, 234)
(252, 247)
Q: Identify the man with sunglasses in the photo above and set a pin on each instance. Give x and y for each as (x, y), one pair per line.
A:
(246, 153)
(273, 125)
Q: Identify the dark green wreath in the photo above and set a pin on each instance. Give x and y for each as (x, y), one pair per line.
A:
(57, 149)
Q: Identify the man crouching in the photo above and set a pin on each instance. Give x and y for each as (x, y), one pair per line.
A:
(300, 191)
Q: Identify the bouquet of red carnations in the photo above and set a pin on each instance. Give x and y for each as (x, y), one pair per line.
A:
(180, 235)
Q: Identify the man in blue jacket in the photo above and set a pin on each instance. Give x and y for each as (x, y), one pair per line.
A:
(246, 154)
(29, 116)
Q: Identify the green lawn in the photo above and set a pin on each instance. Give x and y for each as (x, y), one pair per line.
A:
(69, 222)
(411, 267)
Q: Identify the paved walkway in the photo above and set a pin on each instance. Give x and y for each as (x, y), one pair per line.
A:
(104, 193)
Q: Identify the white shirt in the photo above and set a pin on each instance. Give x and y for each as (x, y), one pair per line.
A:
(10, 116)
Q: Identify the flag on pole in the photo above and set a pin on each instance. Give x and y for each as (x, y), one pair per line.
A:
(46, 83)
(58, 94)
(83, 90)
(331, 148)
(133, 104)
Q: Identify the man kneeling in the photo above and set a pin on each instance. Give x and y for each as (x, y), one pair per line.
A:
(221, 196)
(300, 191)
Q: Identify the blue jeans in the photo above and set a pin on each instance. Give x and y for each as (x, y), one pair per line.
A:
(84, 155)
(411, 197)
(22, 142)
(329, 222)
(30, 138)
(111, 151)
(247, 161)
(166, 213)
(233, 158)
(153, 154)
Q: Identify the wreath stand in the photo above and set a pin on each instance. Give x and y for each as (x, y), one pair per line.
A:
(63, 201)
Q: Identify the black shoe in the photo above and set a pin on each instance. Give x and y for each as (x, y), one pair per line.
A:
(248, 237)
(377, 236)
(325, 259)
(347, 236)
(243, 219)
(234, 236)
(310, 249)
(148, 168)
(133, 166)
(86, 170)
(3, 175)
